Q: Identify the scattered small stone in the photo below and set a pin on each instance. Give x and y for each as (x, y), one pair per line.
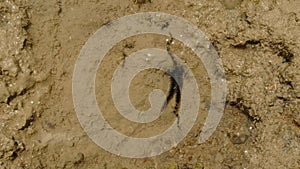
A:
(219, 158)
(78, 158)
(239, 138)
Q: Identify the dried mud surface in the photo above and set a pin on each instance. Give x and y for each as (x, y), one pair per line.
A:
(257, 40)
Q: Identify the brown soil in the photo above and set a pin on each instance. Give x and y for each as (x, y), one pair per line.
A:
(257, 40)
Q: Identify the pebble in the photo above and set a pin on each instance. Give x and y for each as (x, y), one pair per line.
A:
(78, 158)
(239, 138)
(219, 158)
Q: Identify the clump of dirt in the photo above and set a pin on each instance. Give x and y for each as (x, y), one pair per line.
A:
(257, 40)
(17, 78)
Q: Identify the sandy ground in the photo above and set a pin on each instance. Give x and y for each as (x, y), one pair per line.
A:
(257, 40)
